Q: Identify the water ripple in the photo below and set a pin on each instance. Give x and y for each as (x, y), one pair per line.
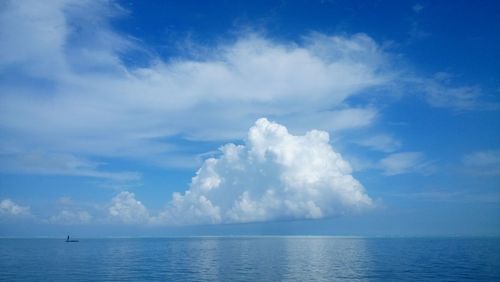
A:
(251, 259)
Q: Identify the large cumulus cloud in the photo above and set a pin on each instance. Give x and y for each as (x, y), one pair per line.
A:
(274, 175)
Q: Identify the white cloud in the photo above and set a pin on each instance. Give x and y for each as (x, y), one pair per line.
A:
(482, 158)
(61, 164)
(483, 162)
(440, 91)
(72, 212)
(275, 175)
(461, 98)
(360, 164)
(10, 208)
(380, 142)
(405, 162)
(71, 217)
(67, 92)
(91, 104)
(337, 120)
(65, 201)
(250, 78)
(417, 8)
(126, 209)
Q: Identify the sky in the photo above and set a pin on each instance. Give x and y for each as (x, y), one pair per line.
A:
(188, 118)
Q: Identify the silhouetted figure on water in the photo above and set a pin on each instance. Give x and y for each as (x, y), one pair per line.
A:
(68, 240)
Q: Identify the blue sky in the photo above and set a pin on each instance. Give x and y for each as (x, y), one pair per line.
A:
(133, 118)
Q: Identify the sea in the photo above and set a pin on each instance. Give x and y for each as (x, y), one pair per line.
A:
(251, 259)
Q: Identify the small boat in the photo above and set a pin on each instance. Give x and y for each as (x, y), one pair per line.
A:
(70, 241)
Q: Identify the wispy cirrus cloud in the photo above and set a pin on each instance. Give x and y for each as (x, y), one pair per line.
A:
(485, 162)
(91, 103)
(380, 142)
(66, 90)
(405, 162)
(395, 163)
(442, 91)
(417, 8)
(59, 164)
(454, 196)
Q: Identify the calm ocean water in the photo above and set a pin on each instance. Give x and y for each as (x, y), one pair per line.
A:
(251, 259)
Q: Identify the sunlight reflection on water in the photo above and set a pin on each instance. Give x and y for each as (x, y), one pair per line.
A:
(251, 259)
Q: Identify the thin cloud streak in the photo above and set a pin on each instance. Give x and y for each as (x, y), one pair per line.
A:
(91, 104)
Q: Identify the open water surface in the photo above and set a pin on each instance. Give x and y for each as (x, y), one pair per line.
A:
(251, 259)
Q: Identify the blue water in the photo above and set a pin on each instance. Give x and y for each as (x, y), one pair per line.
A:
(251, 259)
